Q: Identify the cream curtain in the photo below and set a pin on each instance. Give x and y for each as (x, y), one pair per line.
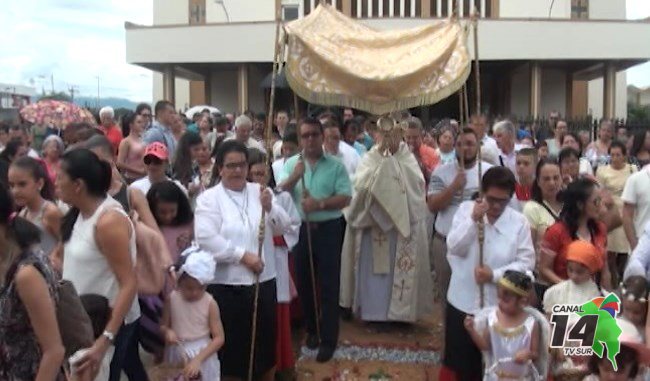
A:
(334, 60)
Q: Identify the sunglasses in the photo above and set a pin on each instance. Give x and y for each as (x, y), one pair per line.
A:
(232, 166)
(152, 160)
(309, 135)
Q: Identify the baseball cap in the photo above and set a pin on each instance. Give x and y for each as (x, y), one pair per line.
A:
(157, 150)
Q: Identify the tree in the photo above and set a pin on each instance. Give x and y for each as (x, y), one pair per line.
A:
(57, 96)
(638, 114)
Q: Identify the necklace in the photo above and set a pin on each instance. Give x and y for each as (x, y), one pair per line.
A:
(242, 209)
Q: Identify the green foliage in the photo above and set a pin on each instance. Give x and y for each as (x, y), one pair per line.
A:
(638, 114)
(57, 96)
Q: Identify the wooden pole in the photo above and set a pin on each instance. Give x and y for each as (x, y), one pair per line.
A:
(481, 226)
(262, 226)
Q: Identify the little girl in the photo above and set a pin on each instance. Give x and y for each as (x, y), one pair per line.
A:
(509, 333)
(584, 260)
(173, 213)
(131, 151)
(33, 192)
(631, 361)
(634, 300)
(191, 320)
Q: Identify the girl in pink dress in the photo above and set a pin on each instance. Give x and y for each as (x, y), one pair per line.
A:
(191, 320)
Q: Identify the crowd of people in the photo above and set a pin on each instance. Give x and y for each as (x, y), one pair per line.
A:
(190, 228)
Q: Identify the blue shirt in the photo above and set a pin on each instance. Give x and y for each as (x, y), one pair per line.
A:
(160, 133)
(326, 179)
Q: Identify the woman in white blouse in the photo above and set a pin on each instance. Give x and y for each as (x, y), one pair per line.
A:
(227, 221)
(99, 258)
(507, 246)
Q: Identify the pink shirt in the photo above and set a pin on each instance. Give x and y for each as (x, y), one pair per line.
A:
(190, 320)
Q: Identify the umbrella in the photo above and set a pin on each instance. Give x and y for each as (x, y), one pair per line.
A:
(193, 110)
(280, 81)
(57, 114)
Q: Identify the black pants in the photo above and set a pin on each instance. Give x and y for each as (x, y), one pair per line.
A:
(461, 354)
(326, 240)
(127, 356)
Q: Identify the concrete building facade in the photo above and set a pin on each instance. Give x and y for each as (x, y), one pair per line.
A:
(536, 56)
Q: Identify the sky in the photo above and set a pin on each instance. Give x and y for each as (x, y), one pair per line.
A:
(76, 41)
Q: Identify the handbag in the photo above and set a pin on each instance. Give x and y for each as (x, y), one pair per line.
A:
(74, 323)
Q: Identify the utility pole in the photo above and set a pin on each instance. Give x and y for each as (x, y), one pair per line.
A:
(97, 91)
(72, 89)
(52, 80)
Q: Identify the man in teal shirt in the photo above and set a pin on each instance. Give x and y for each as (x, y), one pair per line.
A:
(328, 190)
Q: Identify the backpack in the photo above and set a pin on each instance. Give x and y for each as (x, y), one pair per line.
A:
(74, 323)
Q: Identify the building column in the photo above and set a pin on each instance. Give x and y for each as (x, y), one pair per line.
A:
(609, 91)
(207, 88)
(535, 106)
(568, 113)
(169, 84)
(242, 88)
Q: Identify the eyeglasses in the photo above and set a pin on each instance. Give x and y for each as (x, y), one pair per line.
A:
(232, 166)
(149, 160)
(308, 135)
(497, 201)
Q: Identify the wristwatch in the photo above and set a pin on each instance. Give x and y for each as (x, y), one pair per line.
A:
(321, 205)
(110, 336)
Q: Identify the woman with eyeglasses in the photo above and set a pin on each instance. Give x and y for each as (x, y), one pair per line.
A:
(227, 221)
(579, 220)
(507, 246)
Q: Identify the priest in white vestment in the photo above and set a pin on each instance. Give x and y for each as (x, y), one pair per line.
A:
(384, 263)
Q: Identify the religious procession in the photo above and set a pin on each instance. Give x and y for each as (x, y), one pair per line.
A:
(346, 240)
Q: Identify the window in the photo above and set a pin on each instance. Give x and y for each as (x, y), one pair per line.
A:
(289, 12)
(580, 9)
(197, 12)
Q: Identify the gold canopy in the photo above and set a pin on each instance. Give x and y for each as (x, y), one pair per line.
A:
(333, 60)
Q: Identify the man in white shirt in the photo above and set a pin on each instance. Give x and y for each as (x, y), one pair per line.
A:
(489, 148)
(505, 135)
(243, 127)
(449, 186)
(156, 159)
(507, 246)
(335, 146)
(281, 122)
(636, 208)
(290, 147)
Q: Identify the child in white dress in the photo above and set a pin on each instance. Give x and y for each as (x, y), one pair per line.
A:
(508, 333)
(191, 321)
(634, 302)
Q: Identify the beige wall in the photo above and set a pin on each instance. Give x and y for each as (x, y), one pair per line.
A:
(595, 100)
(240, 10)
(182, 95)
(553, 91)
(167, 12)
(607, 9)
(534, 9)
(644, 97)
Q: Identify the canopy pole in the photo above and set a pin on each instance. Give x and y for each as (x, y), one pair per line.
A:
(262, 226)
(481, 225)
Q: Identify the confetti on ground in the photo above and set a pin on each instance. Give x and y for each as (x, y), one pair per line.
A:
(357, 353)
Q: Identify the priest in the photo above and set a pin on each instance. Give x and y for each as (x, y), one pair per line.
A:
(384, 263)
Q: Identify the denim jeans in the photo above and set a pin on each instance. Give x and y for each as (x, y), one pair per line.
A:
(127, 355)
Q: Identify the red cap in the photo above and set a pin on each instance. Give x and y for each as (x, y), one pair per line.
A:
(158, 150)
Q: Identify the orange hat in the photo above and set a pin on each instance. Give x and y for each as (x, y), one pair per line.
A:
(586, 254)
(158, 150)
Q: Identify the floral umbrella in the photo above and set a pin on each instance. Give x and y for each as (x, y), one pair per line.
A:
(57, 114)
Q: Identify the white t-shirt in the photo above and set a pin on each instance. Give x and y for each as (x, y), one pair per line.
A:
(637, 193)
(441, 178)
(349, 157)
(144, 184)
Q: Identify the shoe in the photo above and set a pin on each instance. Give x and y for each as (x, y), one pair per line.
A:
(346, 313)
(312, 341)
(325, 353)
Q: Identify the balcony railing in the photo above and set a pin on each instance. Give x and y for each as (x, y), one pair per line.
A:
(408, 8)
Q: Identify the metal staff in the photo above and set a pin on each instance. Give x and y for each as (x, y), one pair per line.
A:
(481, 226)
(262, 226)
